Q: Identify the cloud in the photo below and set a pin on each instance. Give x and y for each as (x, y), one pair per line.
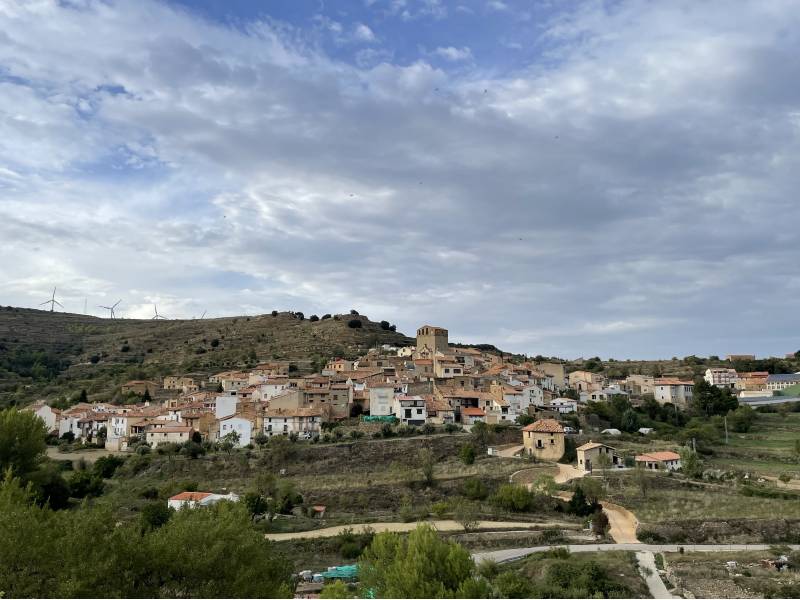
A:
(630, 191)
(454, 54)
(363, 33)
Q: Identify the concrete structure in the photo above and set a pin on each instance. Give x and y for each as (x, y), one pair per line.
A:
(722, 378)
(410, 410)
(674, 391)
(544, 439)
(640, 384)
(556, 371)
(430, 340)
(585, 381)
(236, 424)
(169, 434)
(304, 422)
(589, 453)
(660, 461)
(776, 383)
(471, 415)
(563, 405)
(381, 400)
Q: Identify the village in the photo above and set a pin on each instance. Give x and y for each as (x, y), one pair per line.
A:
(431, 384)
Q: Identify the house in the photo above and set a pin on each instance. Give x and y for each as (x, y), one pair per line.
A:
(544, 439)
(589, 453)
(50, 416)
(554, 370)
(139, 387)
(439, 411)
(195, 499)
(755, 381)
(446, 368)
(471, 415)
(381, 398)
(304, 422)
(674, 391)
(776, 383)
(660, 461)
(410, 410)
(563, 405)
(236, 424)
(340, 364)
(225, 406)
(585, 381)
(169, 434)
(640, 384)
(722, 378)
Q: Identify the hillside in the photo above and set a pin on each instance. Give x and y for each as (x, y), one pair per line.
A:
(50, 355)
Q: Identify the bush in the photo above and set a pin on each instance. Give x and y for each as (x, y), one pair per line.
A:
(385, 325)
(154, 515)
(326, 316)
(274, 313)
(474, 489)
(214, 343)
(467, 454)
(514, 498)
(106, 466)
(354, 323)
(313, 318)
(83, 484)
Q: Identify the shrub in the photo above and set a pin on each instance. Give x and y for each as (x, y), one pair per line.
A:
(313, 318)
(214, 343)
(474, 489)
(94, 359)
(514, 498)
(385, 325)
(467, 454)
(274, 313)
(354, 323)
(439, 509)
(326, 316)
(106, 466)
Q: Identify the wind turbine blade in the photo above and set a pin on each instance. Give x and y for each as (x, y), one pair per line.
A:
(59, 303)
(45, 302)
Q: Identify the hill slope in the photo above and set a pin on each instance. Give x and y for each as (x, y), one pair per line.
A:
(45, 355)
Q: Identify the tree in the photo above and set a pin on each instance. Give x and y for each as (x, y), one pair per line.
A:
(385, 325)
(83, 484)
(641, 479)
(154, 515)
(630, 421)
(481, 435)
(354, 323)
(465, 514)
(427, 462)
(604, 462)
(256, 504)
(229, 441)
(420, 565)
(691, 465)
(600, 523)
(146, 396)
(467, 454)
(22, 441)
(741, 420)
(105, 466)
(313, 318)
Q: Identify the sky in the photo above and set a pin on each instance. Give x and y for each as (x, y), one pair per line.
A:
(567, 178)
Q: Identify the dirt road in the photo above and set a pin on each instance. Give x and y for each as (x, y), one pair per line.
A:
(567, 473)
(444, 525)
(622, 522)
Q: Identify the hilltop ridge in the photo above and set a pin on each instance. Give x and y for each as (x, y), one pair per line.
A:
(44, 354)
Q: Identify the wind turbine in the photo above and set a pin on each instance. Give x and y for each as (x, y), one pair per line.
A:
(156, 315)
(111, 308)
(52, 302)
(204, 314)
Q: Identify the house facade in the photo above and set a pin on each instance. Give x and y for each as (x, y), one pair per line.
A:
(544, 439)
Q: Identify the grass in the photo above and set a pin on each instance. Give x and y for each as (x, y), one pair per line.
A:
(706, 576)
(618, 567)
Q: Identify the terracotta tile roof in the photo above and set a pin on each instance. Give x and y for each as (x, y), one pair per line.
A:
(658, 456)
(473, 412)
(545, 426)
(670, 381)
(195, 496)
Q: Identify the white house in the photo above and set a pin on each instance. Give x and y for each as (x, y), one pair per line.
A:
(381, 400)
(723, 378)
(563, 405)
(50, 416)
(225, 407)
(195, 499)
(240, 425)
(302, 421)
(410, 410)
(655, 461)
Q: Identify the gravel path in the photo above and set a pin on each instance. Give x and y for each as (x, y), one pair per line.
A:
(444, 525)
(649, 572)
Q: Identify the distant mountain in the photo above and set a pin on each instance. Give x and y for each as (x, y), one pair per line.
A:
(52, 355)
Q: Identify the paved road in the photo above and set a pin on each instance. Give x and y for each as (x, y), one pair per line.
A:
(444, 525)
(649, 572)
(516, 553)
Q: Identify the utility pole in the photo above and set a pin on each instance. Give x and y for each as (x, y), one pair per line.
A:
(694, 445)
(726, 429)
